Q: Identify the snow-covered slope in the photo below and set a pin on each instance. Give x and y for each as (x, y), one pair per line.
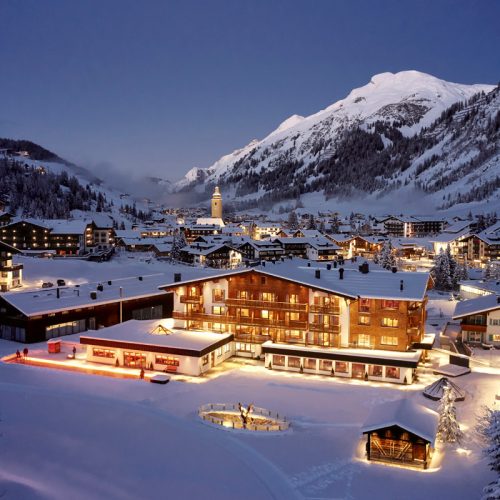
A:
(407, 101)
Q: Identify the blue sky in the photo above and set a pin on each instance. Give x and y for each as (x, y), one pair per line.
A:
(158, 87)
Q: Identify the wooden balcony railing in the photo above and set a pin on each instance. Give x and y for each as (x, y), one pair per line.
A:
(191, 299)
(266, 304)
(330, 309)
(319, 327)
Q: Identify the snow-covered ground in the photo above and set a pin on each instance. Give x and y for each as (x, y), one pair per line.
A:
(69, 435)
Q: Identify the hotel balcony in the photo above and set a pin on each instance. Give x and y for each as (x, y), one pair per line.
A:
(330, 309)
(191, 299)
(265, 304)
(252, 338)
(319, 327)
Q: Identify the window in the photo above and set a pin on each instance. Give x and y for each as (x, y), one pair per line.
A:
(245, 313)
(218, 295)
(376, 370)
(264, 314)
(294, 316)
(134, 359)
(386, 340)
(475, 336)
(390, 304)
(204, 360)
(363, 340)
(227, 348)
(390, 322)
(325, 365)
(219, 352)
(294, 298)
(218, 310)
(293, 362)
(65, 329)
(103, 353)
(242, 346)
(268, 297)
(477, 319)
(262, 280)
(364, 305)
(363, 319)
(193, 291)
(310, 364)
(494, 322)
(341, 367)
(278, 360)
(154, 312)
(242, 294)
(167, 360)
(392, 372)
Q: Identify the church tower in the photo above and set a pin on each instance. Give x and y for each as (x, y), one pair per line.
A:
(217, 204)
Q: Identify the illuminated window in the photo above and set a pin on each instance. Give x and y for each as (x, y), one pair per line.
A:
(278, 360)
(325, 365)
(294, 316)
(390, 322)
(218, 310)
(341, 367)
(364, 305)
(392, 372)
(376, 370)
(363, 340)
(390, 304)
(167, 360)
(293, 362)
(386, 340)
(294, 298)
(310, 363)
(218, 295)
(245, 313)
(264, 314)
(364, 320)
(268, 296)
(103, 353)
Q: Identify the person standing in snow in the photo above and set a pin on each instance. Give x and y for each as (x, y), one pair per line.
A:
(141, 375)
(25, 352)
(74, 352)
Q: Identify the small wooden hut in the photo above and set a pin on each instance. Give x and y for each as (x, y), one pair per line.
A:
(401, 432)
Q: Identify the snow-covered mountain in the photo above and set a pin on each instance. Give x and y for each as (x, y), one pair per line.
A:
(370, 144)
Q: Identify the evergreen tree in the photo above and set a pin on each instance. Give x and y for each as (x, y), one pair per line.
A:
(335, 225)
(311, 223)
(448, 430)
(441, 272)
(293, 221)
(386, 256)
(489, 429)
(178, 244)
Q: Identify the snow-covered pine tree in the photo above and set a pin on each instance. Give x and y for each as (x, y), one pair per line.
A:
(178, 244)
(386, 256)
(293, 221)
(311, 223)
(448, 428)
(442, 273)
(489, 429)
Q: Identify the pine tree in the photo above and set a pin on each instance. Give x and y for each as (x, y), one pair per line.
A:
(386, 256)
(293, 221)
(448, 428)
(311, 223)
(489, 429)
(442, 272)
(178, 244)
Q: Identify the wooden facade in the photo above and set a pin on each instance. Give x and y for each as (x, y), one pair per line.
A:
(396, 445)
(14, 325)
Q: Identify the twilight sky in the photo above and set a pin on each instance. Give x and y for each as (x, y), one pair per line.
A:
(157, 87)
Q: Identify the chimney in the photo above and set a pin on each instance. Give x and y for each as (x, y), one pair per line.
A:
(308, 264)
(110, 282)
(177, 277)
(498, 299)
(93, 295)
(263, 263)
(341, 273)
(58, 294)
(140, 278)
(317, 274)
(394, 269)
(100, 287)
(401, 285)
(328, 267)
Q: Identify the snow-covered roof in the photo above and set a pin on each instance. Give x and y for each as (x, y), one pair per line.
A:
(477, 305)
(406, 414)
(484, 286)
(43, 301)
(140, 332)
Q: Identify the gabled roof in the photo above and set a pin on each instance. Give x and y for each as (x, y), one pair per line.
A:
(406, 414)
(4, 247)
(478, 305)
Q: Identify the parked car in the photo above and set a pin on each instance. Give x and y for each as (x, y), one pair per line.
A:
(61, 282)
(47, 284)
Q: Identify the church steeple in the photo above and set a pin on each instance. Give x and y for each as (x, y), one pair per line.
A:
(217, 204)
